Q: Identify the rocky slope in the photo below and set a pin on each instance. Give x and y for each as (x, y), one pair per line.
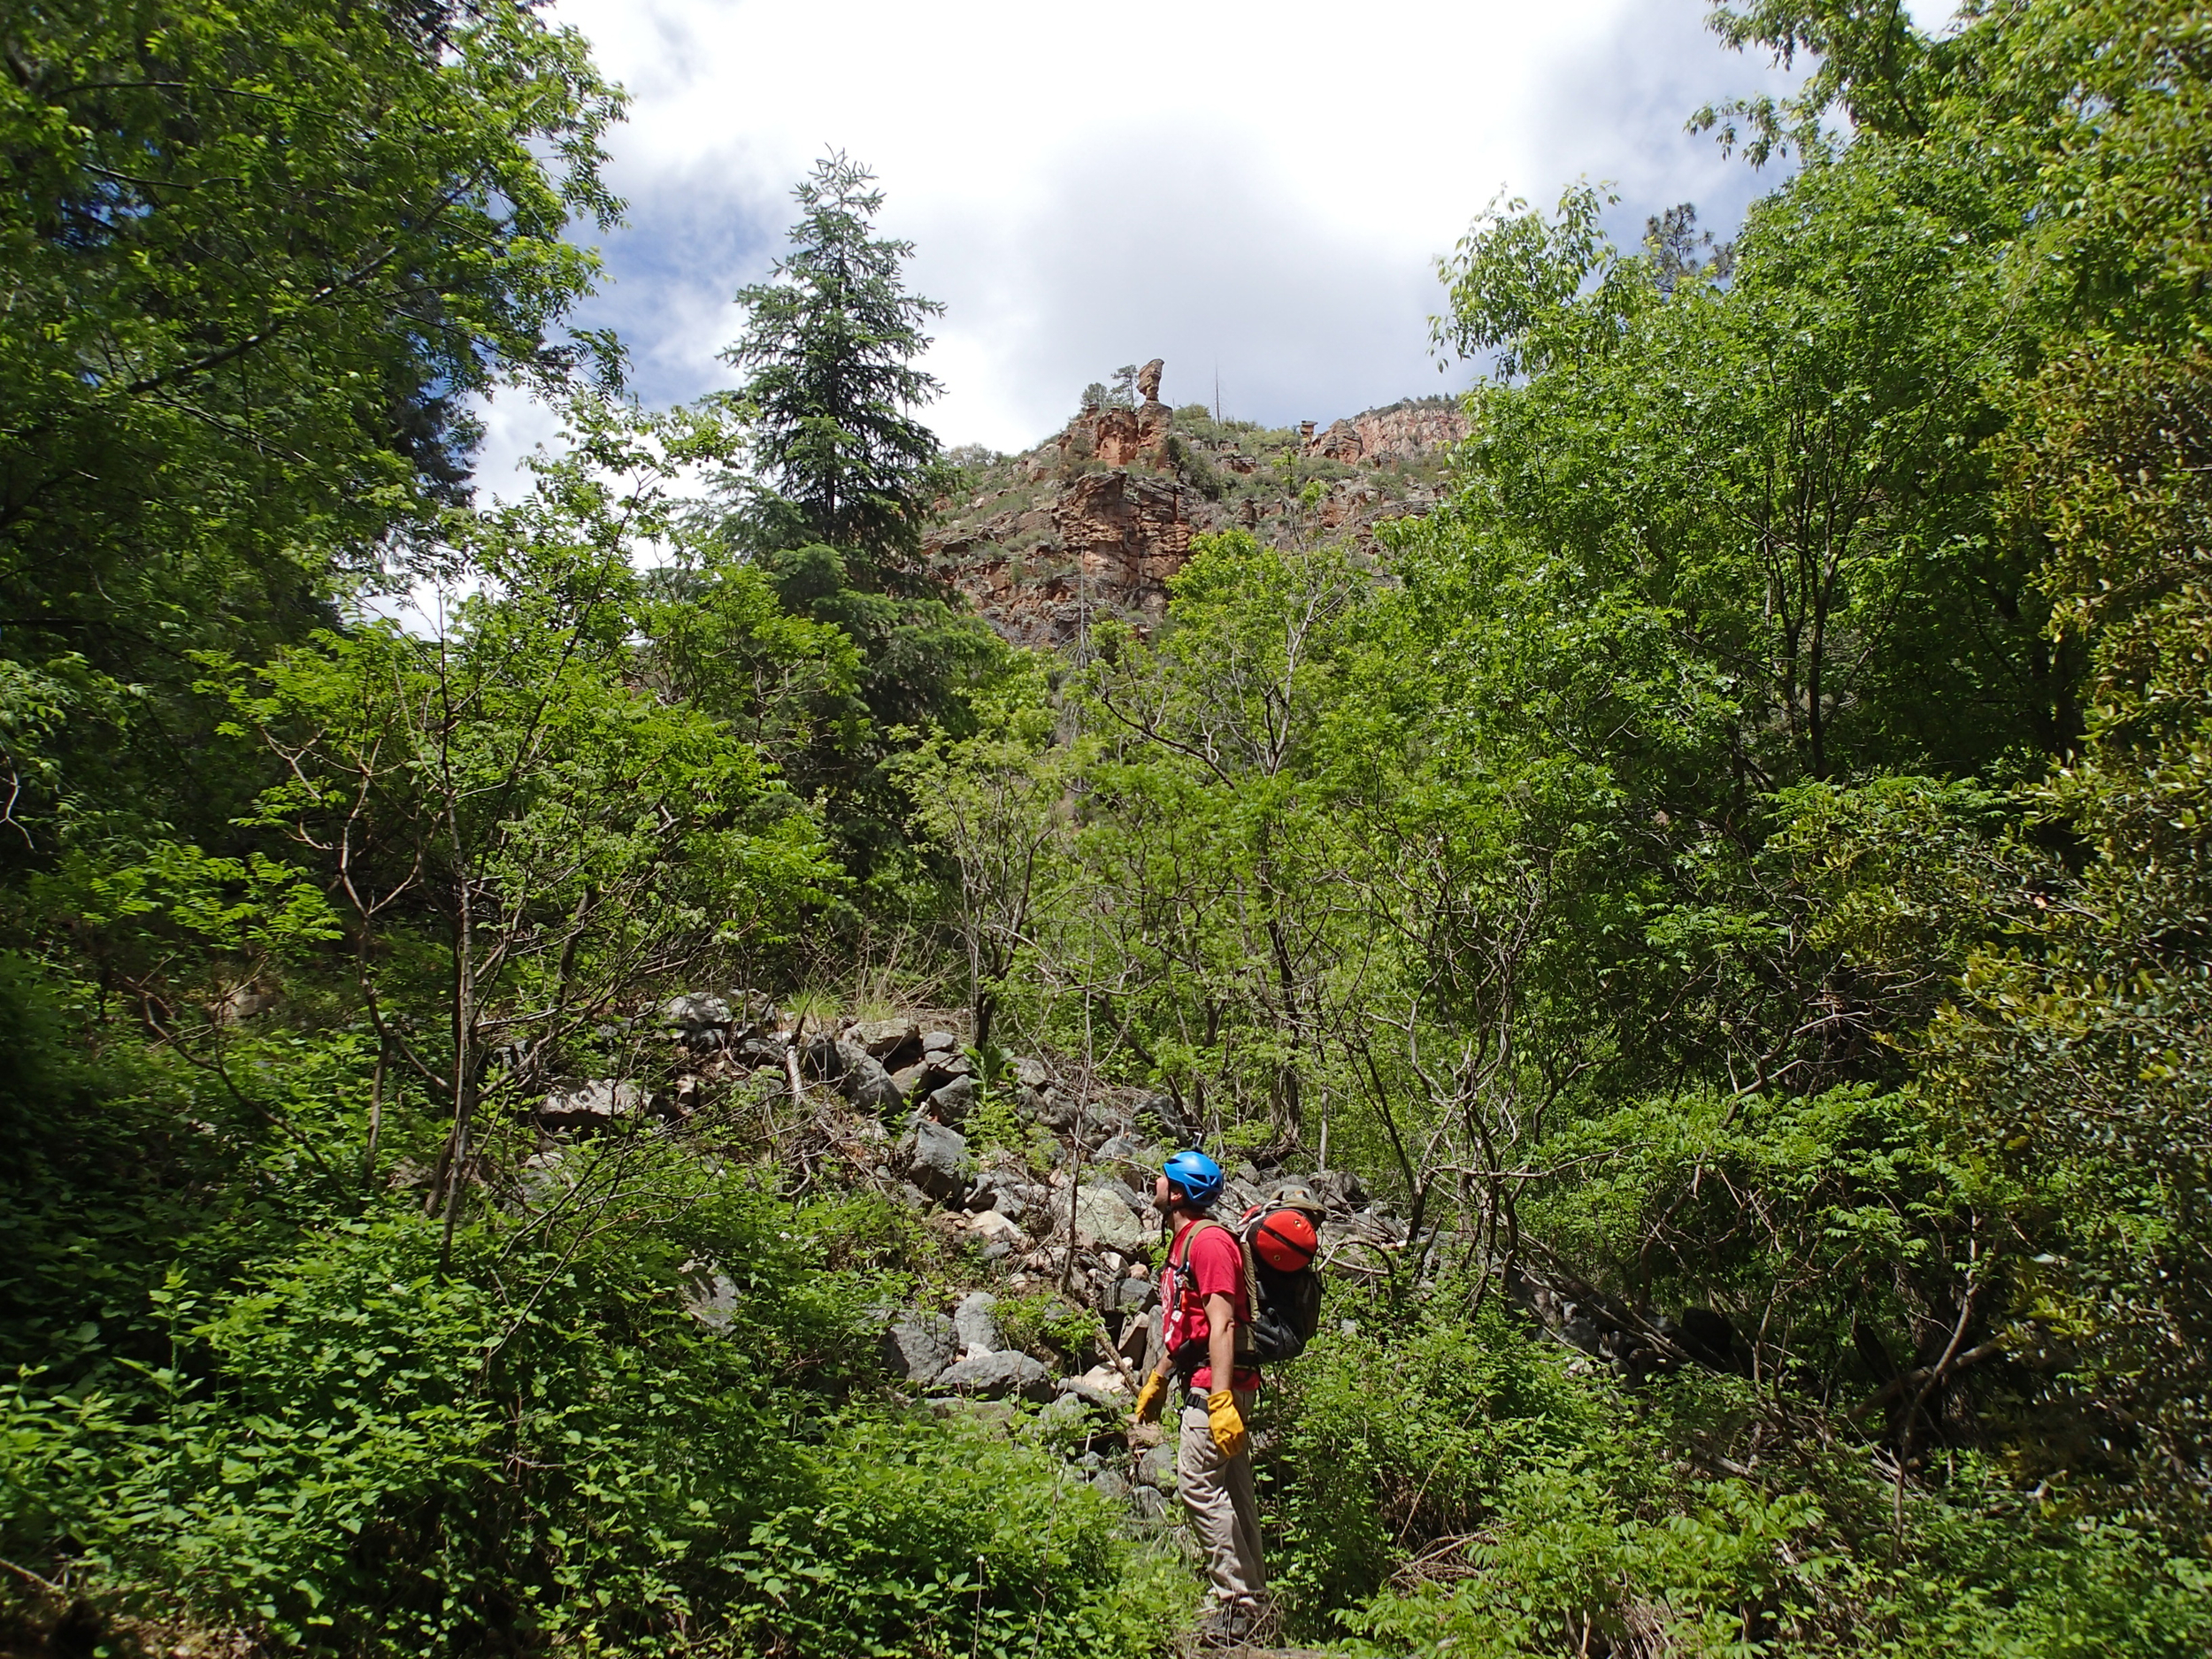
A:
(1038, 1191)
(1093, 521)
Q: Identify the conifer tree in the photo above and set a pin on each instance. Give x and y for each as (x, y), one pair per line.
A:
(830, 343)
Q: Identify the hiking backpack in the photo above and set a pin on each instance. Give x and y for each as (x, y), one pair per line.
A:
(1286, 1305)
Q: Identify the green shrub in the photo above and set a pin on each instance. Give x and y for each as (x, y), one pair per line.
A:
(1389, 1442)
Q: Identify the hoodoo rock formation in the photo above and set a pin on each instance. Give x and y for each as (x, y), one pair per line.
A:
(1094, 522)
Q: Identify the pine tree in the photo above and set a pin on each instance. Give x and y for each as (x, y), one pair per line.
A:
(830, 341)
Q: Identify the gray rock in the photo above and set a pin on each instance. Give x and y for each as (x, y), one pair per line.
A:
(1059, 1109)
(976, 1322)
(1110, 1483)
(1031, 1074)
(953, 1102)
(940, 1042)
(695, 1011)
(1157, 1468)
(1129, 1161)
(1105, 1402)
(1339, 1189)
(869, 1088)
(1021, 1204)
(587, 1105)
(1131, 1295)
(1103, 1210)
(1007, 1190)
(918, 1346)
(1173, 1125)
(935, 1159)
(886, 1039)
(998, 1377)
(760, 1051)
(710, 1297)
(1147, 1503)
(822, 1057)
(1237, 1196)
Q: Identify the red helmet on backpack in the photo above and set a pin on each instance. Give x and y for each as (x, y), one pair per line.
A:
(1285, 1240)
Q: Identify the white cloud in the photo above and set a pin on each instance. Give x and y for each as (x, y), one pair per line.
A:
(1260, 189)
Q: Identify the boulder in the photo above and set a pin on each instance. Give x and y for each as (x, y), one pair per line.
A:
(1129, 1295)
(1129, 1161)
(1339, 1189)
(758, 1051)
(1110, 1483)
(1005, 1187)
(989, 1225)
(918, 1346)
(1057, 1109)
(695, 1011)
(1157, 1468)
(1031, 1074)
(935, 1159)
(891, 1043)
(1101, 1388)
(940, 1042)
(976, 1322)
(823, 1058)
(998, 1377)
(868, 1087)
(1237, 1196)
(1161, 1114)
(952, 1104)
(588, 1105)
(1103, 1212)
(543, 1178)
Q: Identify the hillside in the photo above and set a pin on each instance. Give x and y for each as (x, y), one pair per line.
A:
(629, 1115)
(1092, 521)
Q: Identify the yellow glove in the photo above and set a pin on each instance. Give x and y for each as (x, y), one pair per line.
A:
(1148, 1397)
(1224, 1419)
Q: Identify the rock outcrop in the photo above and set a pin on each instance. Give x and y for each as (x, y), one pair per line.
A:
(1096, 521)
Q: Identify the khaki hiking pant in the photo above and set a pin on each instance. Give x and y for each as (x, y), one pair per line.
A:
(1217, 1492)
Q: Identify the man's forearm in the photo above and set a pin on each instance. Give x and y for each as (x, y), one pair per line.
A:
(1221, 1341)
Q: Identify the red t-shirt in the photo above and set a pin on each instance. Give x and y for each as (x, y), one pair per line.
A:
(1217, 1269)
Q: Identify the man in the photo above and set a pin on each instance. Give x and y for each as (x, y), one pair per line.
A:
(1207, 1298)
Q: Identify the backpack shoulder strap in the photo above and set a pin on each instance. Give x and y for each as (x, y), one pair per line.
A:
(1244, 1261)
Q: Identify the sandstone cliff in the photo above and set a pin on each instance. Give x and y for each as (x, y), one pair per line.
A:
(1093, 522)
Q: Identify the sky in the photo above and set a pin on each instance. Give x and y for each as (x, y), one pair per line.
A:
(1256, 193)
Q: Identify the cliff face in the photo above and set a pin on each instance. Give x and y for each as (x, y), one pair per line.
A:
(1093, 522)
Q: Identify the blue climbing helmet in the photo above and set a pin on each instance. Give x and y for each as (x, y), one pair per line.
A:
(1198, 1175)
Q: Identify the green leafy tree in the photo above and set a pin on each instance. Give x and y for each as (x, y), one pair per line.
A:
(259, 259)
(570, 841)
